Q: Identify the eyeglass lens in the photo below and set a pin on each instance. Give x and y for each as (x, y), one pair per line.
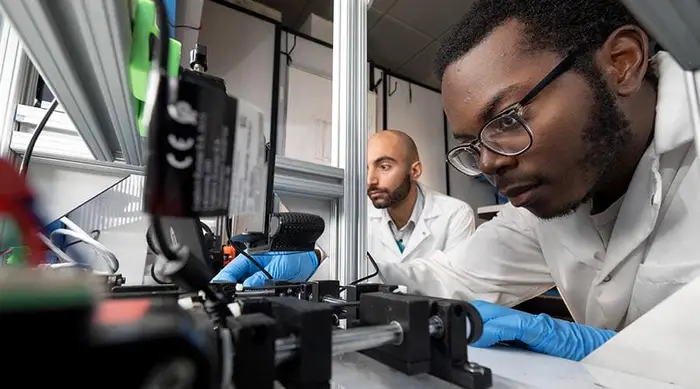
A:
(506, 135)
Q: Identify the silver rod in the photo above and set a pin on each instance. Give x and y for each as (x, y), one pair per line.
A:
(285, 348)
(356, 339)
(350, 129)
(346, 341)
(337, 301)
(333, 300)
(256, 293)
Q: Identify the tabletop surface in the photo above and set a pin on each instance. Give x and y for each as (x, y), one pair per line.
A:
(511, 369)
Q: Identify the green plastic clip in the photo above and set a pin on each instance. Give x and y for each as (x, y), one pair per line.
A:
(145, 35)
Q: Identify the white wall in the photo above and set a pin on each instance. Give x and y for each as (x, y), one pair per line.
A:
(307, 61)
(308, 55)
(306, 102)
(240, 49)
(418, 112)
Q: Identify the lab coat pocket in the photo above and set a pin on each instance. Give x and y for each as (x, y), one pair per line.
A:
(655, 282)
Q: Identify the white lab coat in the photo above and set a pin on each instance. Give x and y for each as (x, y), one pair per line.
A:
(444, 223)
(653, 250)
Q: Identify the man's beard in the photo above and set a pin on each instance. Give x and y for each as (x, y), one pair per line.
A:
(396, 196)
(606, 135)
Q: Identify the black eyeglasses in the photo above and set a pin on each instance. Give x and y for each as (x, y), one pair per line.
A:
(508, 133)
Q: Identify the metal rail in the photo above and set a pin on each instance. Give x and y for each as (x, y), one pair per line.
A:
(358, 339)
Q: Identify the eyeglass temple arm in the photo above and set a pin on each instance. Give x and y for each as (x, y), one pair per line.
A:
(563, 66)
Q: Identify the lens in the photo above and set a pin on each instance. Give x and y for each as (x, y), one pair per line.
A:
(465, 160)
(506, 135)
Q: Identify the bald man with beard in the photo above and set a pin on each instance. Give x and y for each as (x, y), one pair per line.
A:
(408, 220)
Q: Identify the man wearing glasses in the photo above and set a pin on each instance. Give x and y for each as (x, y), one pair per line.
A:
(563, 106)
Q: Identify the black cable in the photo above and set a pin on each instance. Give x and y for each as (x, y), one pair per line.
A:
(186, 26)
(288, 53)
(35, 136)
(241, 250)
(229, 228)
(162, 241)
(155, 277)
(94, 233)
(206, 228)
(365, 278)
(151, 245)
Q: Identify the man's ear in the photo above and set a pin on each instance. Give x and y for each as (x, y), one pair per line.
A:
(624, 57)
(416, 170)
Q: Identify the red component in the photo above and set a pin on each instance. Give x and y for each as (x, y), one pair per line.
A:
(116, 312)
(229, 254)
(16, 200)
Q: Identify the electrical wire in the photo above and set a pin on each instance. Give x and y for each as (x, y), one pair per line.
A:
(152, 246)
(75, 231)
(184, 26)
(206, 227)
(105, 254)
(288, 53)
(68, 262)
(241, 249)
(30, 147)
(365, 278)
(95, 234)
(59, 253)
(229, 227)
(155, 277)
(256, 263)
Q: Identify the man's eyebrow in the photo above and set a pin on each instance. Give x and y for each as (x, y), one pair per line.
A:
(489, 111)
(384, 158)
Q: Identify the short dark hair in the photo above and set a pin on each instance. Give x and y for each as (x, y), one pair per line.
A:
(556, 25)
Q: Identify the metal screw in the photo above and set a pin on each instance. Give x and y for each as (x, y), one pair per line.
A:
(474, 368)
(435, 327)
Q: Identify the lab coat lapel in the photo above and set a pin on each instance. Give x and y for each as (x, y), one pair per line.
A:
(422, 230)
(382, 229)
(613, 286)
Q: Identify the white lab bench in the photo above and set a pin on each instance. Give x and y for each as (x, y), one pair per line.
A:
(511, 369)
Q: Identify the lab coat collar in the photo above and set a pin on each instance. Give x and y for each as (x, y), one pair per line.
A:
(673, 126)
(422, 230)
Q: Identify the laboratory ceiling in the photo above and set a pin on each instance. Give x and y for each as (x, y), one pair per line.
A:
(403, 35)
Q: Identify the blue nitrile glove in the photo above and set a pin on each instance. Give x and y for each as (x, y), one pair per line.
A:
(282, 265)
(540, 333)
